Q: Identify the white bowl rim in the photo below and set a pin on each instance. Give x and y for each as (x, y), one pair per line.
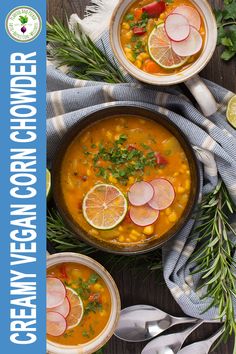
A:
(105, 335)
(209, 47)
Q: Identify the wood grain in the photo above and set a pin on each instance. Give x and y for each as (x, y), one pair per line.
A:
(133, 288)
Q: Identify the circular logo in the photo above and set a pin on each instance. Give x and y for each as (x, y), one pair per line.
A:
(23, 24)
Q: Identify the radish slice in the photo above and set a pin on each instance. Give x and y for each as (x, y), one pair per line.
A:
(140, 193)
(56, 292)
(164, 194)
(56, 324)
(177, 27)
(63, 309)
(143, 215)
(190, 45)
(191, 14)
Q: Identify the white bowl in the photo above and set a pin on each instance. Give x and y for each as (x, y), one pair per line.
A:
(210, 44)
(105, 335)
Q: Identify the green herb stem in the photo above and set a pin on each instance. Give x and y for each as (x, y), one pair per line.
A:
(227, 24)
(214, 255)
(80, 55)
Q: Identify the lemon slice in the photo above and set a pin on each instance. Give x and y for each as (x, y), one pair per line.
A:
(48, 182)
(76, 308)
(160, 49)
(231, 111)
(104, 207)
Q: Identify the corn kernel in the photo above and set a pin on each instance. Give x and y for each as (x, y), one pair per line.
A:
(125, 25)
(118, 128)
(109, 135)
(135, 233)
(102, 313)
(128, 50)
(188, 173)
(75, 274)
(144, 56)
(162, 16)
(88, 172)
(138, 63)
(131, 180)
(181, 190)
(133, 238)
(148, 230)
(187, 184)
(121, 239)
(168, 211)
(129, 35)
(112, 179)
(120, 228)
(176, 174)
(97, 287)
(172, 217)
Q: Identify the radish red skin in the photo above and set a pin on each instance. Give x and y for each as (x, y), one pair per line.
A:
(154, 9)
(63, 309)
(151, 219)
(140, 193)
(56, 317)
(169, 197)
(190, 46)
(177, 27)
(191, 14)
(56, 292)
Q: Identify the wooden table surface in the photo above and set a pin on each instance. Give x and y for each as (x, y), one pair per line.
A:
(133, 288)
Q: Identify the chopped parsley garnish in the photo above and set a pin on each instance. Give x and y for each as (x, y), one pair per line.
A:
(92, 307)
(93, 279)
(122, 160)
(129, 17)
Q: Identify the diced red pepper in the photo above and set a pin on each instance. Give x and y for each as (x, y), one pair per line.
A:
(155, 8)
(139, 31)
(161, 160)
(63, 271)
(95, 298)
(131, 147)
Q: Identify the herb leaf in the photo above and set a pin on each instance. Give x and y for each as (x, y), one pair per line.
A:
(81, 56)
(226, 24)
(214, 255)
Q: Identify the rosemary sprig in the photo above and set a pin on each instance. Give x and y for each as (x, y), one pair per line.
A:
(61, 238)
(81, 56)
(64, 240)
(214, 255)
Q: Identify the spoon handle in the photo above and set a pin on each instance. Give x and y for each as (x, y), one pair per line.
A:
(179, 320)
(213, 338)
(189, 330)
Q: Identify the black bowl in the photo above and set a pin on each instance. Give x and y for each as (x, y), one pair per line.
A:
(124, 110)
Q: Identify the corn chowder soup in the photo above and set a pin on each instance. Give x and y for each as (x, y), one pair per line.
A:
(162, 37)
(125, 180)
(78, 304)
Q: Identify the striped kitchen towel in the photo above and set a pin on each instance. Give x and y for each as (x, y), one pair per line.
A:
(213, 140)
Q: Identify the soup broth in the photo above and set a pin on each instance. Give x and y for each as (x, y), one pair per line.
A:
(120, 152)
(136, 28)
(94, 294)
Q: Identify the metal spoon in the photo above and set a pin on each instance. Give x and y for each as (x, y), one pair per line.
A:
(202, 347)
(170, 343)
(142, 322)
